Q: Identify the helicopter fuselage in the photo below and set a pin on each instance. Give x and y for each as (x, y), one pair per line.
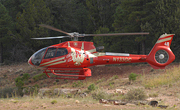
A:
(79, 54)
(67, 57)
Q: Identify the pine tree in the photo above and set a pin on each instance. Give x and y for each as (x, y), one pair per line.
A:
(100, 13)
(100, 17)
(133, 16)
(167, 21)
(14, 6)
(27, 25)
(5, 28)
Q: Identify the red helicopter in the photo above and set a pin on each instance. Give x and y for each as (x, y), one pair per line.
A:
(71, 59)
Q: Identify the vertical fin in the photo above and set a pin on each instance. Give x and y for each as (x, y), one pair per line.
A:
(165, 40)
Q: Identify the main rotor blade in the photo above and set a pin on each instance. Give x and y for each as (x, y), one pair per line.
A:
(55, 29)
(41, 38)
(115, 34)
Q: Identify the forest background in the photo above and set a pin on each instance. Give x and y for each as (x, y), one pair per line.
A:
(19, 21)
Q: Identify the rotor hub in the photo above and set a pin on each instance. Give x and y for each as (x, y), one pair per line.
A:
(161, 56)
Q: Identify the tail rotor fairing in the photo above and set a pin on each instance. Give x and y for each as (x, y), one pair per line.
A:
(161, 56)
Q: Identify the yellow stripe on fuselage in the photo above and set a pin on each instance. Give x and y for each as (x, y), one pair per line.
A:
(164, 40)
(55, 63)
(52, 61)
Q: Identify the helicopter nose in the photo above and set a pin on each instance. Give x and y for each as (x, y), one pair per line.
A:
(30, 62)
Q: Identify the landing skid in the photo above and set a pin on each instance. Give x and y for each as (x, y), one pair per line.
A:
(68, 73)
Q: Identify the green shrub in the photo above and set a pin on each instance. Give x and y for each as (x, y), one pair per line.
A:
(99, 95)
(33, 90)
(7, 92)
(132, 77)
(36, 86)
(91, 87)
(18, 78)
(19, 85)
(65, 81)
(111, 84)
(54, 102)
(15, 101)
(39, 76)
(115, 77)
(57, 80)
(136, 94)
(25, 76)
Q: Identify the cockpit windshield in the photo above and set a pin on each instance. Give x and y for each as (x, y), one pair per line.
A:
(37, 57)
(52, 52)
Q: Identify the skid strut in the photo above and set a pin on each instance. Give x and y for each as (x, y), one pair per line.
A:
(68, 73)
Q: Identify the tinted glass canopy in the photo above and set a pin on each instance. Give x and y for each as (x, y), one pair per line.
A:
(37, 57)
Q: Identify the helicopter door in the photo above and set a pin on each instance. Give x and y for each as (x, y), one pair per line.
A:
(61, 57)
(55, 58)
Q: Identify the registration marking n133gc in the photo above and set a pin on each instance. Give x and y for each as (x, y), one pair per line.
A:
(122, 59)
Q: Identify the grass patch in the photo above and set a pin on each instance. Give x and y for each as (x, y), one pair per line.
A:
(100, 80)
(136, 94)
(153, 95)
(114, 77)
(15, 101)
(167, 78)
(77, 84)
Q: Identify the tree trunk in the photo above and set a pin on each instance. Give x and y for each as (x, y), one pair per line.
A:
(138, 48)
(143, 47)
(1, 52)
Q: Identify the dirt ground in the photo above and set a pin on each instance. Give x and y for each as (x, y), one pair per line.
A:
(169, 96)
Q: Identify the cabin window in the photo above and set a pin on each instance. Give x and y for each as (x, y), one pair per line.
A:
(61, 52)
(50, 53)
